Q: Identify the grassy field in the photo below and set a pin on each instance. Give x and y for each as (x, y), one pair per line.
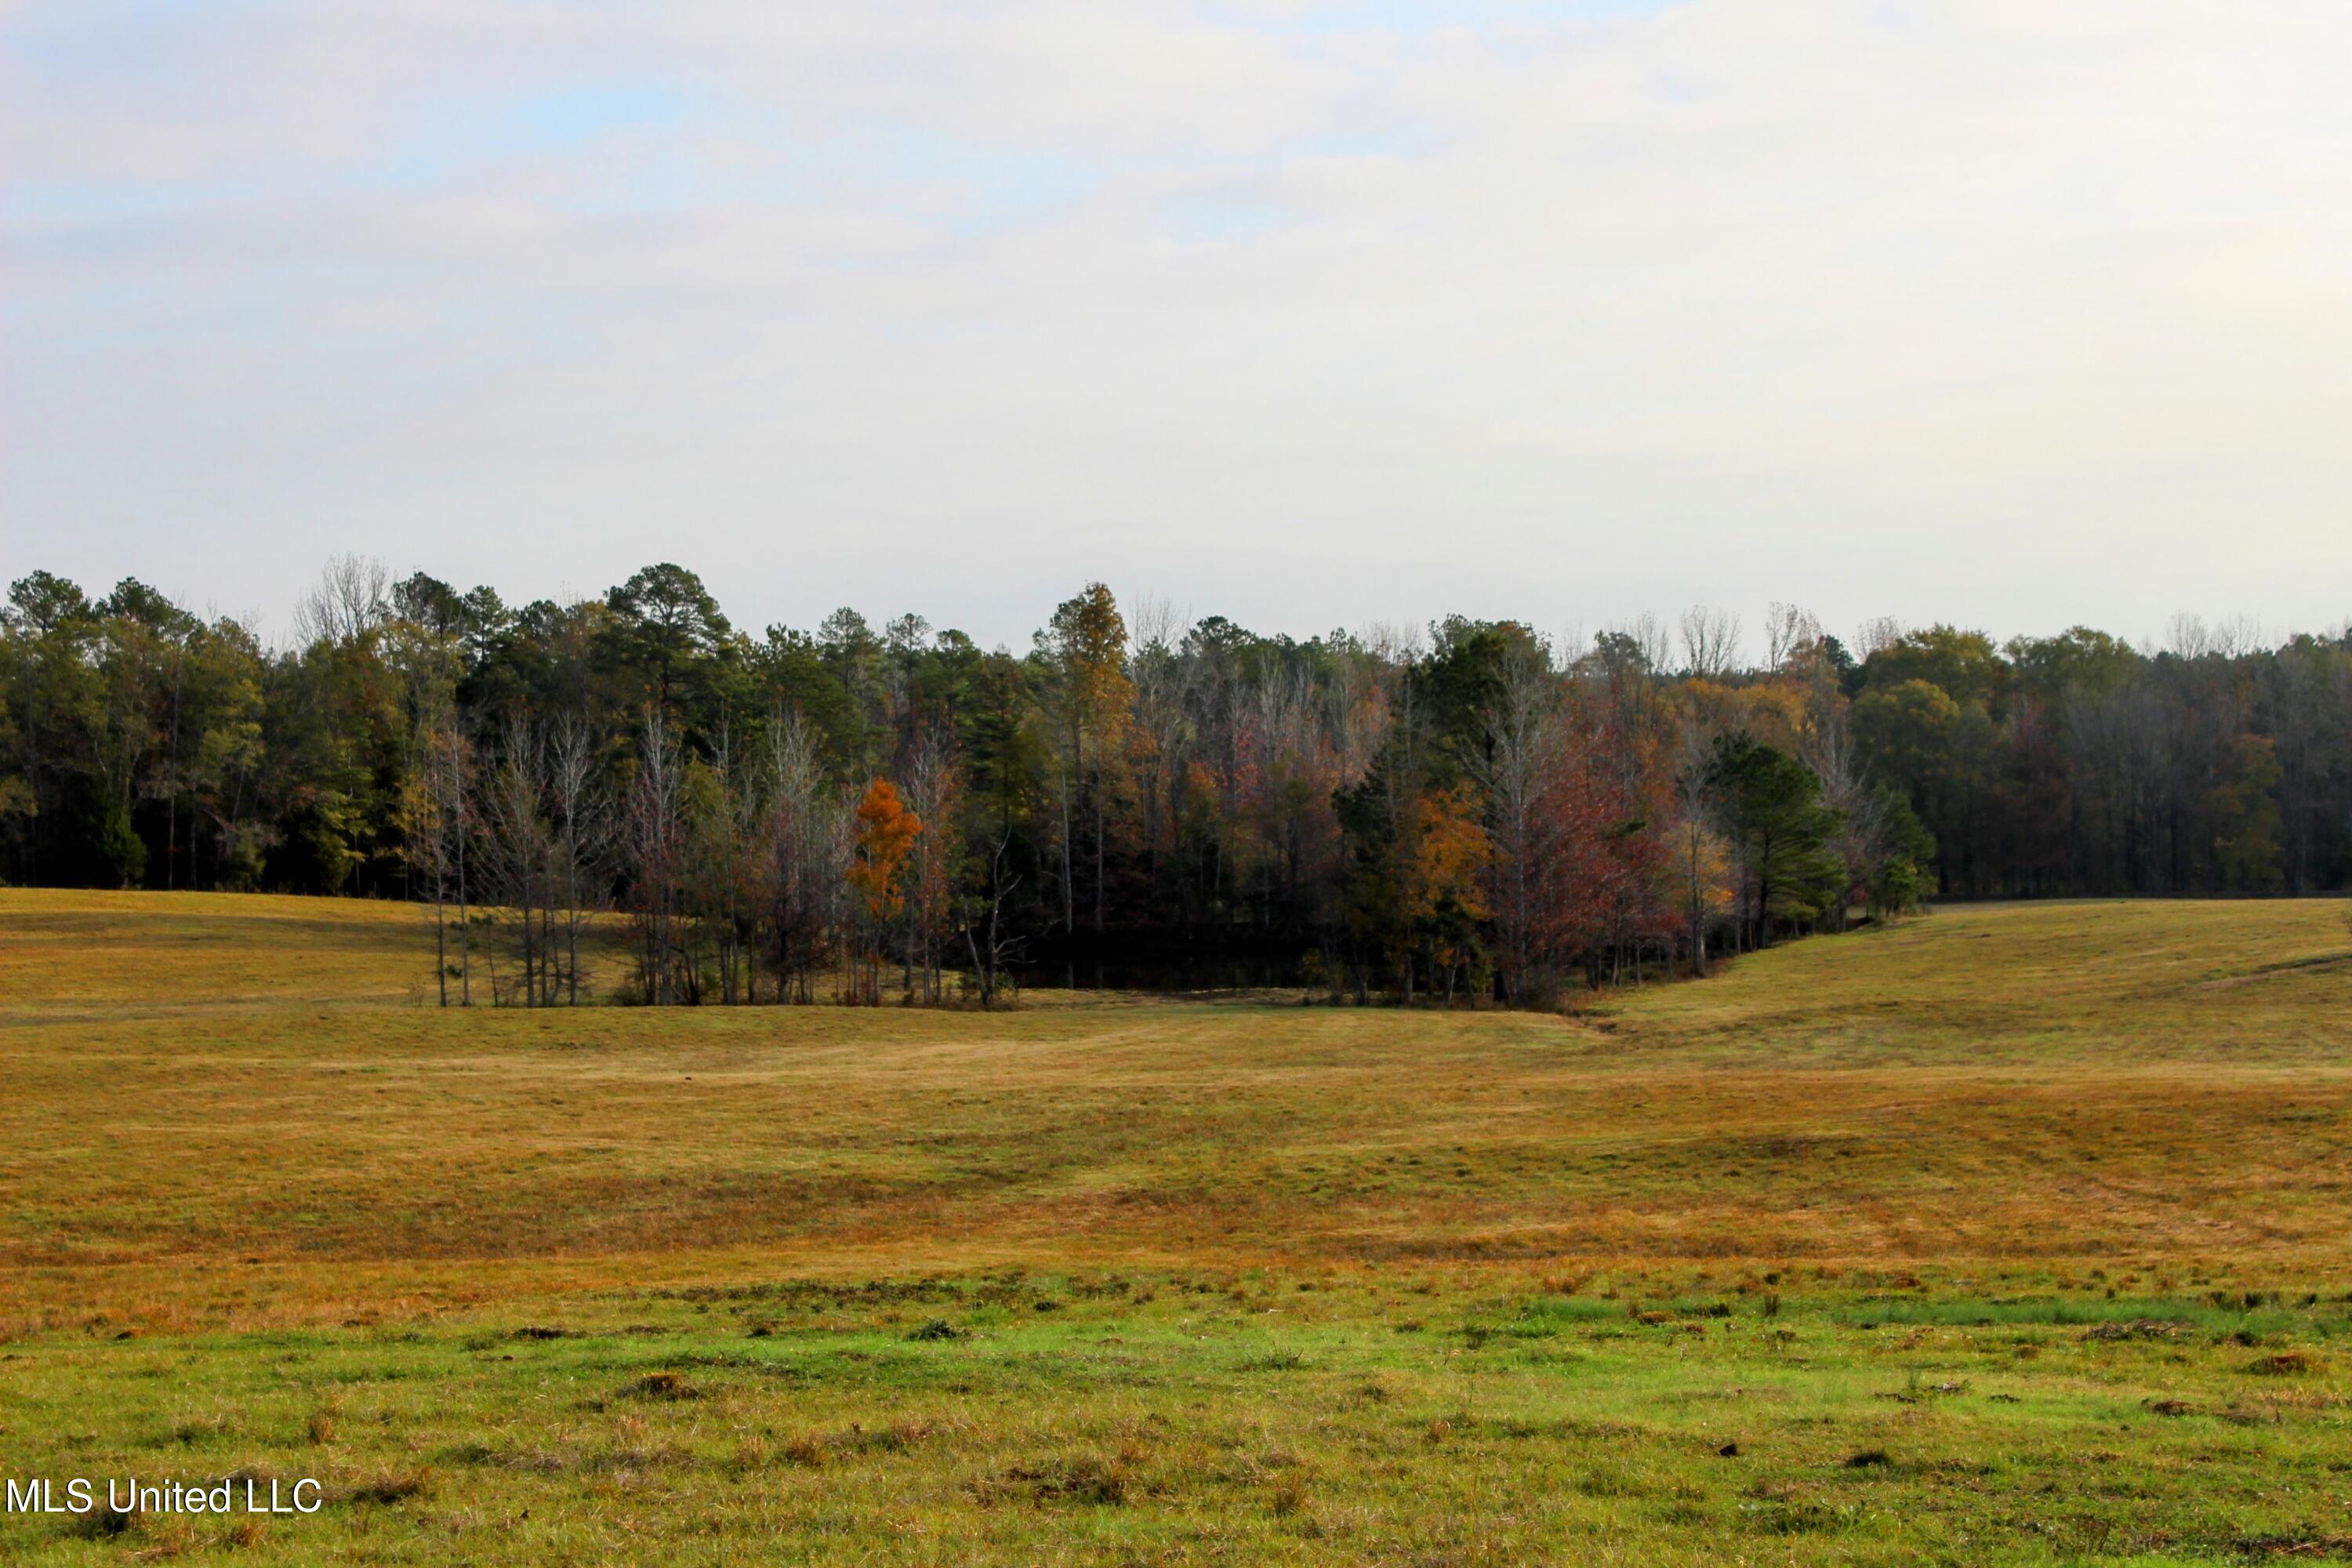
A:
(2010, 1235)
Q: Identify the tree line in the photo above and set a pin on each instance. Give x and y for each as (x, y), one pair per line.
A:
(862, 813)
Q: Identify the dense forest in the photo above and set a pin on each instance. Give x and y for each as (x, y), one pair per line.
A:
(865, 814)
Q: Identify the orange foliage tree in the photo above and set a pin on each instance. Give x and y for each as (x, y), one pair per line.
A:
(887, 832)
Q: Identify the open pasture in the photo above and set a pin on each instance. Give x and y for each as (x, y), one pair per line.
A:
(2013, 1233)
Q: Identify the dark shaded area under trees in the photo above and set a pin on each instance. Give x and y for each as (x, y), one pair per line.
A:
(871, 814)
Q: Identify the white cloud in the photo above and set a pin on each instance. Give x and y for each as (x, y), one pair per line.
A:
(2006, 312)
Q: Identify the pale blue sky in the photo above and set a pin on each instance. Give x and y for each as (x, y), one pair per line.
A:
(1305, 311)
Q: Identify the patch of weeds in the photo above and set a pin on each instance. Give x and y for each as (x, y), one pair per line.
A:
(1796, 1516)
(1086, 1479)
(895, 1438)
(936, 1331)
(2304, 1546)
(1551, 1314)
(2061, 1313)
(1608, 1483)
(2136, 1328)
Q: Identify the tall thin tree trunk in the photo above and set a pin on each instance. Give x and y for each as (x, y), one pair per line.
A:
(464, 925)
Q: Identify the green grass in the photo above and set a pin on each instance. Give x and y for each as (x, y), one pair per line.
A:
(2015, 1236)
(1210, 1417)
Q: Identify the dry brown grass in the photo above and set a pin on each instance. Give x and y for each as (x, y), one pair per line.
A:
(223, 1111)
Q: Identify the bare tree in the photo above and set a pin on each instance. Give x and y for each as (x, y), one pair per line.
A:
(1526, 735)
(1827, 746)
(992, 947)
(449, 762)
(584, 829)
(1649, 637)
(1710, 642)
(1162, 732)
(349, 600)
(544, 844)
(933, 788)
(1788, 632)
(806, 838)
(1878, 635)
(433, 824)
(516, 853)
(1696, 842)
(656, 840)
(723, 817)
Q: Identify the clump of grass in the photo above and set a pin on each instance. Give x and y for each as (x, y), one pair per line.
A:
(1610, 1483)
(935, 1331)
(391, 1487)
(191, 1430)
(103, 1523)
(1554, 1311)
(1088, 1479)
(662, 1385)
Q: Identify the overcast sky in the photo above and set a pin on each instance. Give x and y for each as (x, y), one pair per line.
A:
(1311, 313)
